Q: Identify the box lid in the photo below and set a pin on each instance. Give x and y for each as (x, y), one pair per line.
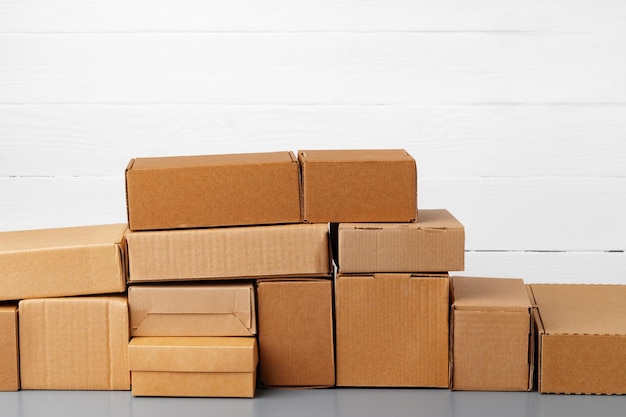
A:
(355, 155)
(169, 162)
(485, 294)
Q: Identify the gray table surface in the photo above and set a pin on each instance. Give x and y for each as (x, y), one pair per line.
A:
(359, 402)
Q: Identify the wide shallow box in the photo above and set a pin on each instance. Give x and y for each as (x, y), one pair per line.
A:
(434, 243)
(581, 331)
(392, 330)
(9, 352)
(192, 310)
(229, 252)
(358, 186)
(492, 335)
(213, 190)
(296, 333)
(193, 366)
(75, 343)
(62, 262)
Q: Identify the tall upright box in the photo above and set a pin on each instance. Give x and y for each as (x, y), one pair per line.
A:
(9, 352)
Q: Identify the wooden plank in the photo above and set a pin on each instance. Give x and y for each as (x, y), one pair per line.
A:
(306, 15)
(313, 68)
(447, 141)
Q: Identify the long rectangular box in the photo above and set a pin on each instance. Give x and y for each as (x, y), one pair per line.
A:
(434, 243)
(213, 190)
(492, 335)
(192, 310)
(193, 366)
(581, 332)
(62, 262)
(74, 343)
(9, 352)
(392, 330)
(296, 333)
(229, 252)
(377, 185)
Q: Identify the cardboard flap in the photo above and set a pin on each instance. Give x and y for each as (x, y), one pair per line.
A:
(165, 324)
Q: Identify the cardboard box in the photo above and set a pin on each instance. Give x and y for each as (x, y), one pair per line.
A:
(491, 335)
(392, 330)
(62, 262)
(434, 243)
(76, 343)
(9, 352)
(229, 252)
(193, 366)
(213, 190)
(192, 310)
(358, 186)
(296, 333)
(581, 332)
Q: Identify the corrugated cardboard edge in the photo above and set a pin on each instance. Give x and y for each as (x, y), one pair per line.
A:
(128, 168)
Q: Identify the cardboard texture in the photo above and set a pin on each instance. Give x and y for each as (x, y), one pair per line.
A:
(358, 186)
(9, 353)
(193, 366)
(581, 333)
(62, 262)
(76, 343)
(213, 190)
(434, 243)
(392, 330)
(491, 335)
(296, 333)
(192, 310)
(229, 252)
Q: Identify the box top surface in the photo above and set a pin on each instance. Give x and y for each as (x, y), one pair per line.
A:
(62, 237)
(487, 294)
(427, 219)
(87, 301)
(8, 308)
(168, 162)
(356, 155)
(581, 309)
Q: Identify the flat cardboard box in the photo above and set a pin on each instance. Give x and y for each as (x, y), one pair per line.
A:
(229, 252)
(358, 186)
(296, 333)
(581, 331)
(192, 310)
(491, 335)
(62, 262)
(9, 352)
(392, 330)
(193, 366)
(213, 190)
(75, 343)
(434, 243)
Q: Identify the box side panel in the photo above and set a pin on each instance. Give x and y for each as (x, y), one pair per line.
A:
(9, 354)
(194, 384)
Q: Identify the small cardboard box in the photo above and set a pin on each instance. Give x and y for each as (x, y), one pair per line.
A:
(75, 343)
(229, 252)
(213, 190)
(491, 335)
(192, 310)
(434, 243)
(9, 352)
(296, 333)
(193, 366)
(358, 186)
(62, 262)
(581, 332)
(392, 330)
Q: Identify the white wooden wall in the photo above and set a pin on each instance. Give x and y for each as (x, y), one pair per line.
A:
(515, 110)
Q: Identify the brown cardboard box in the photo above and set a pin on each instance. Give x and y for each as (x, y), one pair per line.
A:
(213, 190)
(62, 262)
(9, 353)
(76, 343)
(296, 333)
(193, 366)
(434, 243)
(581, 332)
(358, 186)
(392, 330)
(491, 334)
(229, 252)
(192, 310)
